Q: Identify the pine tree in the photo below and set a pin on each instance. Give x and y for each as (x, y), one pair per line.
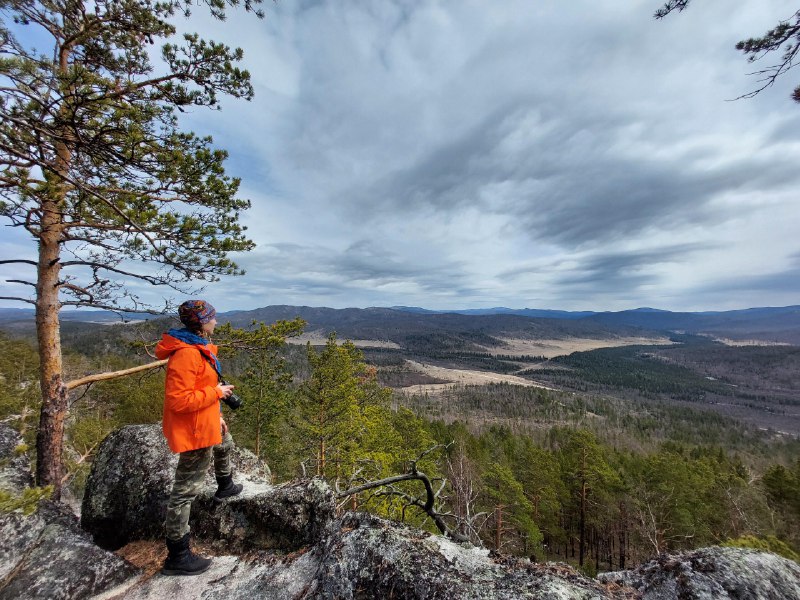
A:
(512, 511)
(264, 383)
(588, 477)
(329, 406)
(94, 166)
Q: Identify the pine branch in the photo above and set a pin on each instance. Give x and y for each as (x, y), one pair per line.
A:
(19, 261)
(28, 300)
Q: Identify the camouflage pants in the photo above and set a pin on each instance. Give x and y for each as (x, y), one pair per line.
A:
(189, 477)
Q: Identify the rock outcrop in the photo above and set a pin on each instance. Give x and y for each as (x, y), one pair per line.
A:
(287, 517)
(15, 466)
(285, 542)
(47, 555)
(128, 489)
(713, 574)
(370, 557)
(365, 557)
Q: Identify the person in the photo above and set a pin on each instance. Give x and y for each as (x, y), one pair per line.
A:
(194, 427)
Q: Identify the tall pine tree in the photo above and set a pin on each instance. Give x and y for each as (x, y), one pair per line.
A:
(95, 168)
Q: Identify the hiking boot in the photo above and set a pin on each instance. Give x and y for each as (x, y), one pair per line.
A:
(182, 561)
(226, 488)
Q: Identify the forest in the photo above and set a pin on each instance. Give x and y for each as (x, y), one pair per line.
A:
(603, 473)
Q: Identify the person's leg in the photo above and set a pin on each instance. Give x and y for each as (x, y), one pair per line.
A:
(189, 476)
(223, 471)
(222, 456)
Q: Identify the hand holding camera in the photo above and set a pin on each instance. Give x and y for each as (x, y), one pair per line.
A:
(228, 397)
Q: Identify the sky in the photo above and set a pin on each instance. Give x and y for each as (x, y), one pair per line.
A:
(544, 154)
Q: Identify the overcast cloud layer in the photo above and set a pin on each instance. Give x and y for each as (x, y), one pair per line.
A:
(462, 154)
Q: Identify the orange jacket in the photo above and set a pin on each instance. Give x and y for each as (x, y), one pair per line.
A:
(191, 398)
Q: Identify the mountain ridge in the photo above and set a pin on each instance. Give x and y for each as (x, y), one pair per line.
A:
(768, 324)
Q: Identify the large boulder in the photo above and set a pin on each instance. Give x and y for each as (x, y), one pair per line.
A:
(15, 465)
(713, 574)
(128, 489)
(287, 517)
(46, 555)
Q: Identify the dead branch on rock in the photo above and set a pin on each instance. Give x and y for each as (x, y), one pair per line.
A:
(428, 505)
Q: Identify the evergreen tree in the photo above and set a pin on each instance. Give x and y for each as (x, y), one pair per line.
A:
(512, 512)
(538, 472)
(263, 385)
(588, 477)
(331, 403)
(671, 499)
(94, 166)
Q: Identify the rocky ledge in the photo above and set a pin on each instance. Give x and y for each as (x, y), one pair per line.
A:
(712, 573)
(285, 542)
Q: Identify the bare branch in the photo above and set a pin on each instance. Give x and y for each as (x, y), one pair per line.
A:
(110, 307)
(381, 482)
(97, 266)
(113, 374)
(21, 282)
(20, 260)
(28, 300)
(428, 506)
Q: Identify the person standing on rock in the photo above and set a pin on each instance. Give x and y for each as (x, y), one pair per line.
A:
(194, 427)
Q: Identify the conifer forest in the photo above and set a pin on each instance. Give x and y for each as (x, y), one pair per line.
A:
(618, 458)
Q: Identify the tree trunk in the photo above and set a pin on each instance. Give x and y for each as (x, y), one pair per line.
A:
(611, 551)
(582, 526)
(597, 542)
(50, 437)
(321, 459)
(498, 533)
(258, 413)
(623, 522)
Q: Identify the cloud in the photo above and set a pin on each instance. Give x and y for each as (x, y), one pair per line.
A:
(543, 154)
(626, 270)
(782, 282)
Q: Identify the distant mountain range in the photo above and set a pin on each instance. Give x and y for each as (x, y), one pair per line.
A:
(773, 324)
(501, 310)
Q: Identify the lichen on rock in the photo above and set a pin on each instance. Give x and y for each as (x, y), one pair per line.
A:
(714, 573)
(46, 555)
(286, 517)
(374, 558)
(128, 487)
(15, 465)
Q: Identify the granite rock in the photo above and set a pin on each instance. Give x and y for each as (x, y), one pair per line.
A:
(15, 465)
(714, 573)
(46, 555)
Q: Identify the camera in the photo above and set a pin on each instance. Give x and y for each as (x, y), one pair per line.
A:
(233, 401)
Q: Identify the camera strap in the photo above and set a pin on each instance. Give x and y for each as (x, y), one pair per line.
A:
(213, 364)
